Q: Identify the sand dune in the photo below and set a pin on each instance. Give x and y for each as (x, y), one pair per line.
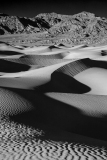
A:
(62, 91)
(95, 78)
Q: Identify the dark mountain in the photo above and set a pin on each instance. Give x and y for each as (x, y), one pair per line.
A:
(82, 27)
(15, 24)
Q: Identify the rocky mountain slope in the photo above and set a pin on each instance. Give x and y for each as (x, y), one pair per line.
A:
(80, 27)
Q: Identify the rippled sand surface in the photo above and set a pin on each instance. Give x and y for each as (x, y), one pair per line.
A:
(53, 102)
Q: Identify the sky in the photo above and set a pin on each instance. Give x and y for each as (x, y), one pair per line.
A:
(31, 8)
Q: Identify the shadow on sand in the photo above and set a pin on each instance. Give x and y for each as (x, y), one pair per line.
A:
(54, 115)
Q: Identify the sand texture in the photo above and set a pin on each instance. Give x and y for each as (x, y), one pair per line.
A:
(53, 102)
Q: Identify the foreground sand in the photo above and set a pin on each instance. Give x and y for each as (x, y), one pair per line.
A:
(53, 103)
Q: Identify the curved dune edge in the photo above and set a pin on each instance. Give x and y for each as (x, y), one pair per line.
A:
(96, 79)
(29, 79)
(93, 105)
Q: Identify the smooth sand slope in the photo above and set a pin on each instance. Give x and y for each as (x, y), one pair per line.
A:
(53, 103)
(96, 78)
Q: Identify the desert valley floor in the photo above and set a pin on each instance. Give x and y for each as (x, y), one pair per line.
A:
(53, 102)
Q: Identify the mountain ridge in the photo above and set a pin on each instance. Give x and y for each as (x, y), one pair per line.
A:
(41, 22)
(81, 27)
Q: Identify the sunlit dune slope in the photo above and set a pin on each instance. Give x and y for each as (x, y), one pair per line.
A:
(77, 62)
